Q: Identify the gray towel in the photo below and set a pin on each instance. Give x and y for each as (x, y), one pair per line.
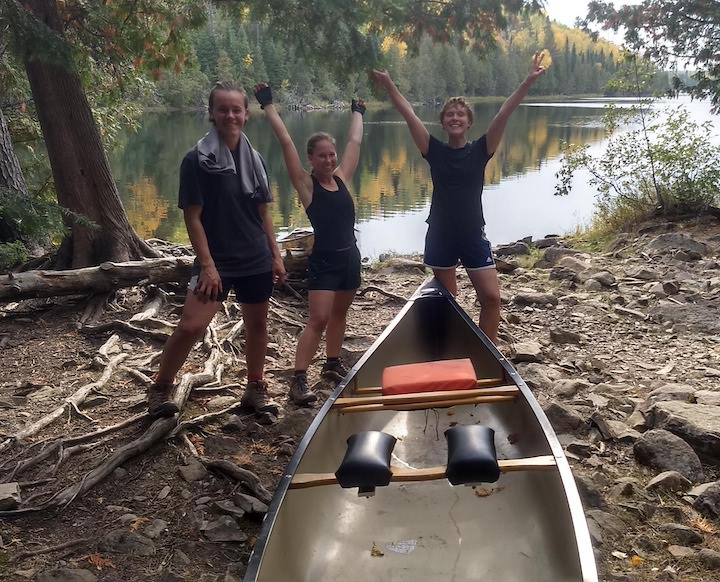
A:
(215, 157)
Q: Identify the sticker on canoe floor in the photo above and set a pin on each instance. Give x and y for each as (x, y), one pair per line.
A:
(376, 552)
(486, 491)
(402, 546)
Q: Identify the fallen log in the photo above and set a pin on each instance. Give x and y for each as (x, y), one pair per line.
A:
(103, 278)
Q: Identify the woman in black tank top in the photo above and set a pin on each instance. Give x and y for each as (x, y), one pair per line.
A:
(334, 266)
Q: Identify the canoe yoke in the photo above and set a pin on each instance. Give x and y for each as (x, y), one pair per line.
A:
(366, 464)
(471, 459)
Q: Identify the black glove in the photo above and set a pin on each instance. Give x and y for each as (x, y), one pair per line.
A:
(264, 96)
(359, 107)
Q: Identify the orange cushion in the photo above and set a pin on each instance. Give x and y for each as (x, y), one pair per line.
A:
(429, 377)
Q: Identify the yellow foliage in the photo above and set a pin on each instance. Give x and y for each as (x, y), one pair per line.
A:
(146, 210)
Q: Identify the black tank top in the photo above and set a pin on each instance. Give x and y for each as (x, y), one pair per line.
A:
(332, 215)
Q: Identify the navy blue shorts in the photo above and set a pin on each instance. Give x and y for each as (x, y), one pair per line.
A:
(444, 250)
(334, 270)
(248, 289)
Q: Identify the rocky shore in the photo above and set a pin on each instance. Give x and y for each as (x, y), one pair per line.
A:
(621, 348)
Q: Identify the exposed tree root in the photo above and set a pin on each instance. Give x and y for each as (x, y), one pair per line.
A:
(72, 401)
(117, 325)
(156, 432)
(248, 479)
(49, 549)
(158, 298)
(371, 288)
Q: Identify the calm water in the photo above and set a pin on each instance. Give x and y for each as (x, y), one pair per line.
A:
(392, 185)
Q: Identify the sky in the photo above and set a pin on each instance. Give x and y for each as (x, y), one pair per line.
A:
(566, 11)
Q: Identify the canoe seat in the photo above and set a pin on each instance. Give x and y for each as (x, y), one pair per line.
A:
(471, 455)
(366, 464)
(429, 377)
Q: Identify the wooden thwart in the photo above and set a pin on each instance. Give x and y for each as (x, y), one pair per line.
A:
(484, 382)
(402, 474)
(426, 397)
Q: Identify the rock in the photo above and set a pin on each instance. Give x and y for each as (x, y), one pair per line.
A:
(607, 521)
(589, 493)
(66, 575)
(708, 502)
(625, 487)
(642, 273)
(164, 492)
(194, 471)
(550, 240)
(564, 419)
(582, 449)
(250, 504)
(614, 429)
(9, 496)
(230, 508)
(155, 528)
(605, 278)
(541, 299)
(682, 534)
(527, 352)
(567, 388)
(709, 558)
(558, 273)
(636, 420)
(504, 266)
(220, 402)
(708, 397)
(553, 254)
(680, 552)
(700, 489)
(681, 392)
(592, 285)
(669, 481)
(120, 541)
(224, 529)
(517, 248)
(564, 336)
(698, 424)
(537, 376)
(675, 241)
(295, 422)
(665, 451)
(575, 264)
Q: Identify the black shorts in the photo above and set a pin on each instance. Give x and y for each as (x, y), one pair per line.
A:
(334, 270)
(248, 289)
(443, 250)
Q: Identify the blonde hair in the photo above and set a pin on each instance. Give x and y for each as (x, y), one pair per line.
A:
(226, 86)
(457, 102)
(316, 138)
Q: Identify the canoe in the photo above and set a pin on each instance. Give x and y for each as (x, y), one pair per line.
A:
(529, 525)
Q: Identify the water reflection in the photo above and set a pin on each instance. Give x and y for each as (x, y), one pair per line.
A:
(392, 186)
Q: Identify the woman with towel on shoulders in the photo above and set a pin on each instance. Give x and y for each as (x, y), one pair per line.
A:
(334, 265)
(224, 194)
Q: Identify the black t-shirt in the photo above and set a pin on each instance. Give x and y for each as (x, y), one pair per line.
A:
(458, 176)
(332, 215)
(233, 226)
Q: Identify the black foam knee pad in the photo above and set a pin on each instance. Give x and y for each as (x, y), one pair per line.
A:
(367, 460)
(471, 455)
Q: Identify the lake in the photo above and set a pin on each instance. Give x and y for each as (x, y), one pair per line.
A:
(392, 186)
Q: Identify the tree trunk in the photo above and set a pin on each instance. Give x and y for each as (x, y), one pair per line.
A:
(81, 171)
(11, 178)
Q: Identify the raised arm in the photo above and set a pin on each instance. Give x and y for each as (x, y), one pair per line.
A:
(419, 132)
(351, 154)
(298, 176)
(497, 125)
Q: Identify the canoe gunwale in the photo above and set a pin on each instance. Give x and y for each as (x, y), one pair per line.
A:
(432, 288)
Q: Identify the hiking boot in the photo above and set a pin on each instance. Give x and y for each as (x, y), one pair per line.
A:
(299, 392)
(334, 370)
(256, 398)
(159, 403)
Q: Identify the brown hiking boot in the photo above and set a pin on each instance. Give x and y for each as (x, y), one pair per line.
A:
(299, 392)
(335, 370)
(159, 403)
(256, 398)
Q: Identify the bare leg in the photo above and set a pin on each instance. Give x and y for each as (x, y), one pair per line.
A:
(196, 316)
(487, 288)
(336, 324)
(321, 304)
(447, 278)
(256, 337)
